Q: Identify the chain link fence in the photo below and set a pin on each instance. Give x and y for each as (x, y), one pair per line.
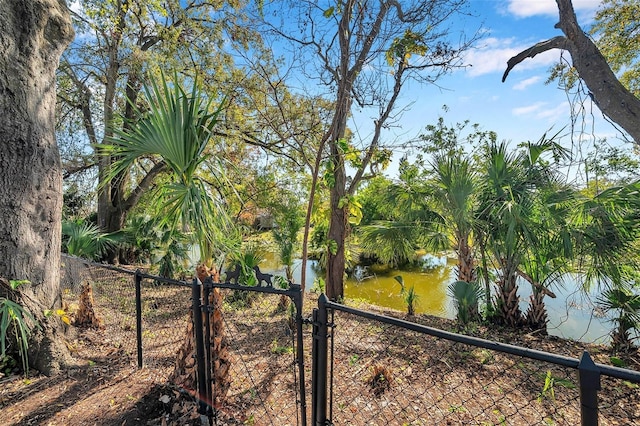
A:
(378, 372)
(260, 330)
(386, 371)
(164, 311)
(384, 374)
(264, 374)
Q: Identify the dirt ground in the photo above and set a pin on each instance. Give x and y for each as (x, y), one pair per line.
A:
(381, 376)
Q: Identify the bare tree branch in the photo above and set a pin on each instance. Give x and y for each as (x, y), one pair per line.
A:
(611, 97)
(559, 42)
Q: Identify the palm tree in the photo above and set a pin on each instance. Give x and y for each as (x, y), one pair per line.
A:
(513, 184)
(542, 269)
(177, 129)
(391, 242)
(86, 240)
(455, 195)
(546, 263)
(606, 230)
(393, 239)
(627, 306)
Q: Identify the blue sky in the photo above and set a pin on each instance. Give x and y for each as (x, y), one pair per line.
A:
(523, 108)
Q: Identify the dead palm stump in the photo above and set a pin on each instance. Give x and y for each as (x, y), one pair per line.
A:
(86, 315)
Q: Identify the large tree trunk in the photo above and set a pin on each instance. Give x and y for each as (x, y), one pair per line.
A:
(33, 34)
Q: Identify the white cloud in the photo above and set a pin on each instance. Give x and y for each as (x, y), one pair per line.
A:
(543, 111)
(551, 114)
(523, 84)
(494, 54)
(526, 8)
(533, 109)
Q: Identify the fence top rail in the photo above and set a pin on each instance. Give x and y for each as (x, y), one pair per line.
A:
(607, 370)
(99, 265)
(293, 288)
(162, 279)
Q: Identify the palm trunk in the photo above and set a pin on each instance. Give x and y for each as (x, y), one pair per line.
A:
(508, 309)
(536, 316)
(467, 274)
(86, 315)
(185, 371)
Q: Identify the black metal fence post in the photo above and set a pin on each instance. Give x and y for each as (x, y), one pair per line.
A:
(207, 308)
(296, 290)
(196, 291)
(589, 379)
(319, 363)
(138, 280)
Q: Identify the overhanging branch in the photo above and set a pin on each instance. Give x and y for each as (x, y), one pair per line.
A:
(559, 42)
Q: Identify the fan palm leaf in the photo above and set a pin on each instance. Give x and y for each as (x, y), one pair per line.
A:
(176, 129)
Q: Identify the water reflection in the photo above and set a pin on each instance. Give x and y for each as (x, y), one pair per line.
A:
(572, 314)
(429, 281)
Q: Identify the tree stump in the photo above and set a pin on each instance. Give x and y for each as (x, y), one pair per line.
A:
(86, 315)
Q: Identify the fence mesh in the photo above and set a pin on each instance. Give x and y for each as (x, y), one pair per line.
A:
(265, 380)
(261, 336)
(380, 374)
(383, 375)
(164, 314)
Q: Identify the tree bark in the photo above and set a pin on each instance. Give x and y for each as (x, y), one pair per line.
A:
(33, 34)
(338, 228)
(613, 99)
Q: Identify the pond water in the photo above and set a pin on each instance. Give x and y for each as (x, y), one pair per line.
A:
(572, 314)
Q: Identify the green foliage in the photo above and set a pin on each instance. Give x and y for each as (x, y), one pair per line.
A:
(408, 294)
(605, 230)
(250, 256)
(289, 220)
(16, 325)
(617, 362)
(353, 207)
(402, 48)
(618, 37)
(450, 140)
(374, 200)
(177, 128)
(86, 240)
(319, 285)
(465, 296)
(609, 166)
(329, 12)
(548, 389)
(278, 349)
(153, 240)
(392, 243)
(626, 305)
